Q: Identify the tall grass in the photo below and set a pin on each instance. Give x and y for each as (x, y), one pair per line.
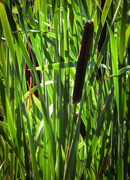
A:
(39, 138)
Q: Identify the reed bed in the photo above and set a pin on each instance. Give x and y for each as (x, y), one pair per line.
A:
(40, 133)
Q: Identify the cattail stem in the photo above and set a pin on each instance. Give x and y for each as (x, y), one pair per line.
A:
(82, 127)
(82, 61)
(28, 73)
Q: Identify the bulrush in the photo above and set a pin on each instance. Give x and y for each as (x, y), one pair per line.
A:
(83, 58)
(100, 43)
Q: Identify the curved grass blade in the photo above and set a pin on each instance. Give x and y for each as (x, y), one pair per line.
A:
(49, 134)
(3, 60)
(98, 129)
(8, 115)
(64, 65)
(7, 30)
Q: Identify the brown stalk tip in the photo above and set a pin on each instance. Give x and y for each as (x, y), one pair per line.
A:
(83, 58)
(82, 127)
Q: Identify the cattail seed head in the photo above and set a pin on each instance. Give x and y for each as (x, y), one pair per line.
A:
(82, 61)
(101, 72)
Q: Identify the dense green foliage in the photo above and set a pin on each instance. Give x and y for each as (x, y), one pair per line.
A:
(38, 136)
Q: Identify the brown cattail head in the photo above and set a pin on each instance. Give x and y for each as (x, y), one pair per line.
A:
(100, 43)
(82, 61)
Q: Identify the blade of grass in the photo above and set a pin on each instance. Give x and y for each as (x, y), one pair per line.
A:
(49, 135)
(122, 33)
(8, 115)
(31, 145)
(98, 130)
(7, 30)
(3, 60)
